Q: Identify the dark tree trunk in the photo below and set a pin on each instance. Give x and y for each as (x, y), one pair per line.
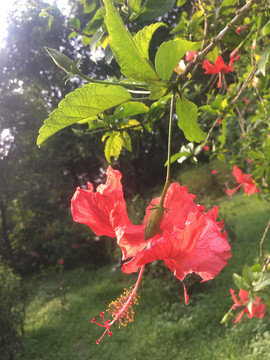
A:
(7, 245)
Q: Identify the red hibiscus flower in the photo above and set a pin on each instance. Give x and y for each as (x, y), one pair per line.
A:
(213, 172)
(190, 240)
(61, 261)
(219, 67)
(258, 308)
(243, 179)
(247, 101)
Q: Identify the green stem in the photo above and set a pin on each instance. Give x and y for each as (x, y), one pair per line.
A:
(84, 77)
(168, 176)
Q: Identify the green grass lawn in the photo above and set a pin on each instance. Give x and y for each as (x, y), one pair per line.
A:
(60, 307)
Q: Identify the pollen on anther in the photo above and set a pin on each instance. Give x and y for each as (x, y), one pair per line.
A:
(116, 308)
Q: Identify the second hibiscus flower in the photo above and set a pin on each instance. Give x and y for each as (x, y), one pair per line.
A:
(219, 67)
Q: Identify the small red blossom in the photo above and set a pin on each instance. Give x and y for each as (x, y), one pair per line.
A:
(246, 180)
(75, 246)
(61, 261)
(219, 121)
(213, 172)
(190, 240)
(258, 308)
(219, 67)
(234, 53)
(190, 55)
(249, 161)
(247, 101)
(243, 179)
(206, 148)
(241, 29)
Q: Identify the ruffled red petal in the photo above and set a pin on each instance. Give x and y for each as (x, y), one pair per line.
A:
(200, 247)
(104, 211)
(237, 173)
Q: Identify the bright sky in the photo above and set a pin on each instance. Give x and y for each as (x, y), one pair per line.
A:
(6, 6)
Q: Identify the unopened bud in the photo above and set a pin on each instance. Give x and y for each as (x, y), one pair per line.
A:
(234, 53)
(153, 224)
(62, 61)
(241, 29)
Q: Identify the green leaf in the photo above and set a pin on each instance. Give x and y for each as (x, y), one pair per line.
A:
(143, 37)
(155, 8)
(265, 281)
(180, 3)
(96, 39)
(135, 5)
(50, 21)
(114, 144)
(212, 56)
(250, 305)
(263, 60)
(187, 120)
(43, 13)
(87, 9)
(240, 282)
(72, 34)
(247, 274)
(96, 22)
(256, 268)
(81, 104)
(134, 124)
(266, 29)
(126, 140)
(133, 64)
(130, 108)
(176, 156)
(222, 137)
(75, 23)
(226, 6)
(157, 89)
(170, 53)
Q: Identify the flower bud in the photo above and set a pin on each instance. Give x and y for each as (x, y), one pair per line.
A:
(62, 61)
(241, 29)
(153, 224)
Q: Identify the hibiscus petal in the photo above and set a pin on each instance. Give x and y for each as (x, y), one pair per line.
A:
(200, 247)
(89, 208)
(236, 301)
(104, 211)
(250, 188)
(178, 204)
(210, 254)
(237, 173)
(210, 68)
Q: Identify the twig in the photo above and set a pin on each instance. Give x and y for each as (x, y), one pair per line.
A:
(241, 120)
(261, 248)
(205, 24)
(215, 40)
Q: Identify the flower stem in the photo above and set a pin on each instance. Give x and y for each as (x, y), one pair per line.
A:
(168, 176)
